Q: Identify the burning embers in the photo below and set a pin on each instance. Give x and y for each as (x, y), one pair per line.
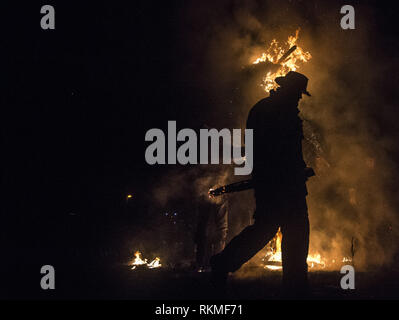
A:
(139, 262)
(276, 55)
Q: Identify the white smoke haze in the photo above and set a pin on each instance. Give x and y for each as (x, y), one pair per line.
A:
(349, 202)
(192, 181)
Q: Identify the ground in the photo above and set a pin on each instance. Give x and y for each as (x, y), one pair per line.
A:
(118, 281)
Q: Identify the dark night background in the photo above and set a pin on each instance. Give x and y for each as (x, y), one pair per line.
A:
(76, 103)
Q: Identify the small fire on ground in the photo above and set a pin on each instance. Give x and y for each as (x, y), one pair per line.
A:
(273, 260)
(138, 261)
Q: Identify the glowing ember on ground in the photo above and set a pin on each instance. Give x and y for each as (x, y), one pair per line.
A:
(138, 261)
(274, 53)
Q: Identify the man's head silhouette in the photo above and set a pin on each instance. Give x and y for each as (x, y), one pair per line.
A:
(293, 84)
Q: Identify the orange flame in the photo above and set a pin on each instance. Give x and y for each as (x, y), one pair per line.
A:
(138, 261)
(273, 55)
(273, 258)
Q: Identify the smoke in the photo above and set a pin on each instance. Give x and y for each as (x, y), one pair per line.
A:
(192, 182)
(351, 202)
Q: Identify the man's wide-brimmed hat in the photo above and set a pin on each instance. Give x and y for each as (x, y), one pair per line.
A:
(294, 80)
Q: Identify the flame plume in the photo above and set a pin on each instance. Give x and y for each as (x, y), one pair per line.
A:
(273, 55)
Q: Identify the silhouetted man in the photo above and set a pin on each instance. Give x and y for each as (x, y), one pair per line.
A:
(279, 184)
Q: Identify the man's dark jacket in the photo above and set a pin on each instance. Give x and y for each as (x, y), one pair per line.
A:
(278, 161)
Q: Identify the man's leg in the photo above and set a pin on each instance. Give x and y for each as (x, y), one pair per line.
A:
(245, 245)
(295, 246)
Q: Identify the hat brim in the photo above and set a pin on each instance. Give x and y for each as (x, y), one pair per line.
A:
(281, 82)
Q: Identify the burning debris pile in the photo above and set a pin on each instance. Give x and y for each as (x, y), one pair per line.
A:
(283, 58)
(139, 262)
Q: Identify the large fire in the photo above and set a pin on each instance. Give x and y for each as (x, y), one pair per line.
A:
(274, 54)
(138, 261)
